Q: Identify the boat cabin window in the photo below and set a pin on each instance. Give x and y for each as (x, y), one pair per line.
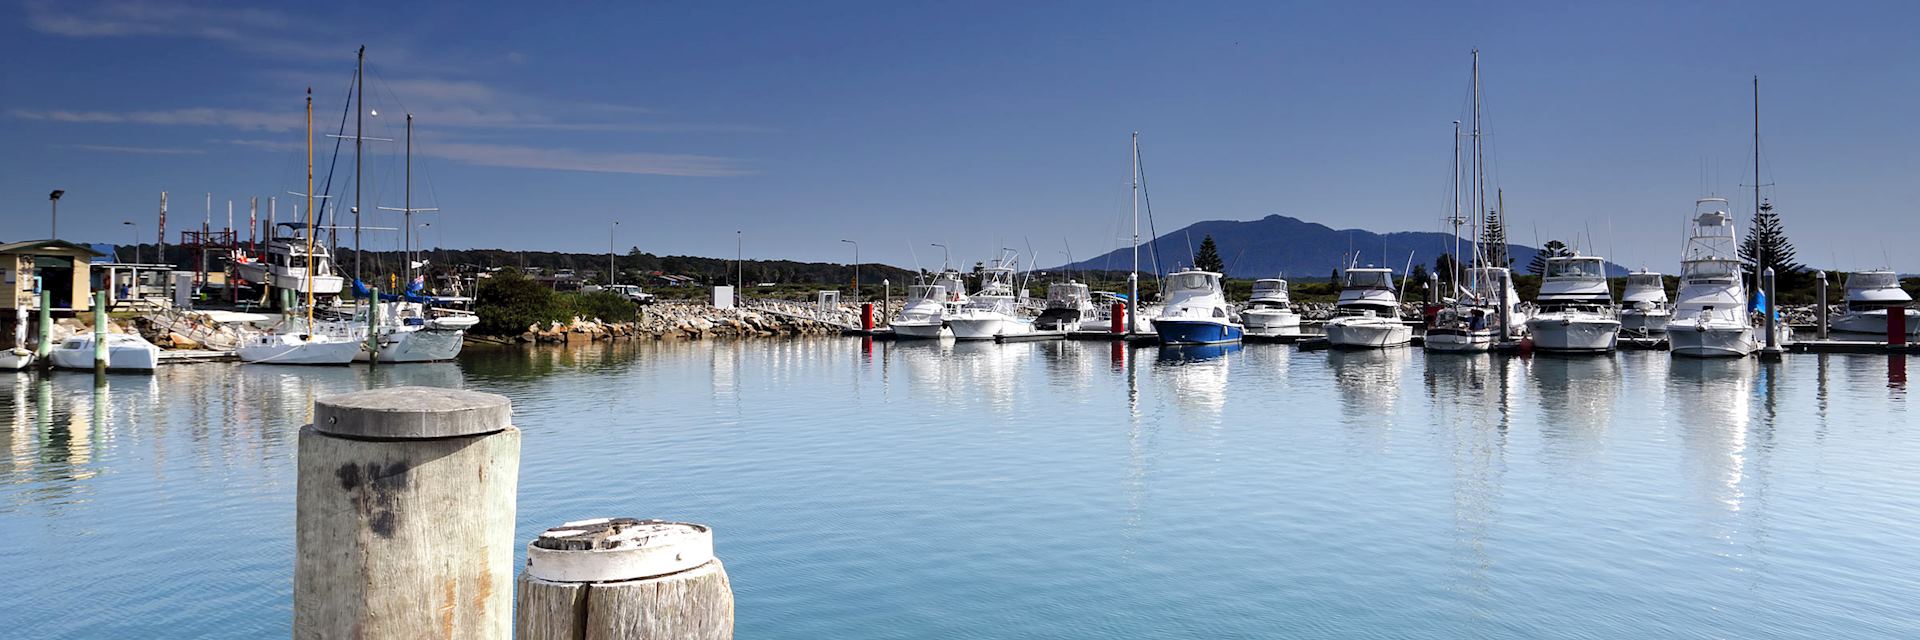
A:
(1263, 286)
(1644, 279)
(1193, 281)
(926, 292)
(1573, 268)
(1701, 270)
(1370, 280)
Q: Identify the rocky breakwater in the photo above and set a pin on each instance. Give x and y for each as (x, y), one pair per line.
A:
(671, 321)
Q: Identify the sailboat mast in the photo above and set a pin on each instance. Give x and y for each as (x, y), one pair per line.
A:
(1455, 261)
(359, 118)
(1479, 167)
(1760, 260)
(1133, 278)
(307, 277)
(407, 235)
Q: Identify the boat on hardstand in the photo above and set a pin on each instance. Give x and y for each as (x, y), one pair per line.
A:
(924, 314)
(992, 312)
(1194, 311)
(1870, 294)
(1473, 323)
(1269, 312)
(1577, 314)
(291, 260)
(125, 352)
(1644, 307)
(1367, 315)
(1710, 312)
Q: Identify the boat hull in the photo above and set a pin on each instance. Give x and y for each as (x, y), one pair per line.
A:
(418, 345)
(293, 351)
(15, 359)
(917, 330)
(1874, 322)
(987, 328)
(1369, 333)
(1712, 341)
(1458, 341)
(1574, 334)
(119, 358)
(1643, 323)
(1197, 332)
(1270, 322)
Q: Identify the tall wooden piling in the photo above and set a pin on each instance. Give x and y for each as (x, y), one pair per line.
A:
(1820, 293)
(373, 328)
(45, 326)
(404, 516)
(624, 579)
(99, 332)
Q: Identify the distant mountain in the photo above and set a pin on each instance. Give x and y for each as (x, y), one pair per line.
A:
(1280, 245)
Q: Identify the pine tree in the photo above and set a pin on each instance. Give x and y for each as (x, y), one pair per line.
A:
(1553, 249)
(1766, 245)
(1493, 241)
(1208, 258)
(1443, 266)
(1420, 277)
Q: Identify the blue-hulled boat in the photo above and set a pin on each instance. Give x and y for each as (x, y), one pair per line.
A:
(1196, 311)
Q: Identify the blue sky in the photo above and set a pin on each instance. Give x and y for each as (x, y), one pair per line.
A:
(979, 125)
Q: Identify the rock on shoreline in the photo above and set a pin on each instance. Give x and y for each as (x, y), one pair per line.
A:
(669, 321)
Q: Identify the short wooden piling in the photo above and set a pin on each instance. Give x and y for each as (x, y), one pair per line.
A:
(45, 327)
(404, 516)
(373, 327)
(624, 579)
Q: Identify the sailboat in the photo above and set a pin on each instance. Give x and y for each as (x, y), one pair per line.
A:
(306, 342)
(1486, 308)
(408, 327)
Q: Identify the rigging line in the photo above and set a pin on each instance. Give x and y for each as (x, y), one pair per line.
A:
(1153, 246)
(334, 163)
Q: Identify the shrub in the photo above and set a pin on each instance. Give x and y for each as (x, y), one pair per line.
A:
(509, 301)
(605, 305)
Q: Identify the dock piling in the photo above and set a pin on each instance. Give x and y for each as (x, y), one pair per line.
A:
(45, 326)
(624, 579)
(1897, 326)
(99, 332)
(404, 516)
(1820, 308)
(1772, 350)
(373, 328)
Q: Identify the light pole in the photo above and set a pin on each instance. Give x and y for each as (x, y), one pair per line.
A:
(615, 227)
(740, 273)
(856, 269)
(55, 198)
(946, 257)
(136, 239)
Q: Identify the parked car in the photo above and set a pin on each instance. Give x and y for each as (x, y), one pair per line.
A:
(632, 292)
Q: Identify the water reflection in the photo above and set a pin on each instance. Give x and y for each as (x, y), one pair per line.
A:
(1196, 379)
(1711, 400)
(1577, 395)
(1369, 381)
(1472, 398)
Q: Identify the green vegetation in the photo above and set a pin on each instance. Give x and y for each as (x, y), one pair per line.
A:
(1208, 257)
(509, 302)
(1766, 245)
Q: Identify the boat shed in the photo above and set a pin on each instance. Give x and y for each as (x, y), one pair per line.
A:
(57, 266)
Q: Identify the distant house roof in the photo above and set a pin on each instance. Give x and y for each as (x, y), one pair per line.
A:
(49, 247)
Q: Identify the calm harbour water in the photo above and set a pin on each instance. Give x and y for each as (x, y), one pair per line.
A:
(1051, 490)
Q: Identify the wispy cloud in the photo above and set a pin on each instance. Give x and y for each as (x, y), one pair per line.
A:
(243, 119)
(247, 28)
(150, 151)
(523, 157)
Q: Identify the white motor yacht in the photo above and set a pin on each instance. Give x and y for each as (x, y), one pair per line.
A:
(1368, 313)
(125, 352)
(993, 311)
(1069, 308)
(283, 263)
(1644, 308)
(1195, 311)
(1577, 314)
(923, 315)
(1869, 295)
(1270, 311)
(1710, 313)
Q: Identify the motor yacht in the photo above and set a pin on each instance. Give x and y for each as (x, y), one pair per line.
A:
(1869, 295)
(1367, 315)
(1577, 313)
(1270, 310)
(1195, 311)
(1644, 308)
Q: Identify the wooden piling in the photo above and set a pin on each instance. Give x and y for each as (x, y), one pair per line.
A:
(45, 327)
(1820, 309)
(404, 516)
(624, 579)
(99, 332)
(373, 328)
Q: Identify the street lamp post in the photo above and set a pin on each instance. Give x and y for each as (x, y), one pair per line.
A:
(54, 197)
(856, 269)
(610, 244)
(740, 268)
(136, 239)
(946, 257)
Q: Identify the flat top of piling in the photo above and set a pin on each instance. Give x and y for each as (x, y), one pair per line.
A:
(617, 533)
(409, 413)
